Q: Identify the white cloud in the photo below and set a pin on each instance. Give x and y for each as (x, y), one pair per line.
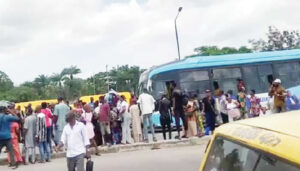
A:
(43, 37)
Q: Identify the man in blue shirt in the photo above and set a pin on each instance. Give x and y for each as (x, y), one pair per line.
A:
(5, 136)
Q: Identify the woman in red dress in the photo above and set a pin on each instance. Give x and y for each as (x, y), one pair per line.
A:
(14, 131)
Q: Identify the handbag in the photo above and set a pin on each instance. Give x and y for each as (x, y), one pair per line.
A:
(89, 165)
(234, 113)
(189, 111)
(83, 119)
(212, 107)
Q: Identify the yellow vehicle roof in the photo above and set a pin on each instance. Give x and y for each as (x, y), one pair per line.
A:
(285, 123)
(278, 134)
(86, 99)
(34, 103)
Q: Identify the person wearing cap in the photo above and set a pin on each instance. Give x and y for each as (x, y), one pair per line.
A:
(5, 135)
(279, 93)
(60, 112)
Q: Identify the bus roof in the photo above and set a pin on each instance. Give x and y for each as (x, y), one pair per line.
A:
(277, 134)
(227, 60)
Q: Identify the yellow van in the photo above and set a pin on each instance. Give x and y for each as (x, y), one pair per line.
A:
(269, 143)
(35, 103)
(86, 99)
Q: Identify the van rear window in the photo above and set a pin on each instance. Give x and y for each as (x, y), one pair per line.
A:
(227, 155)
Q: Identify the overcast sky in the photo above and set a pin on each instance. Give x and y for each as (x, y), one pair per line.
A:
(44, 36)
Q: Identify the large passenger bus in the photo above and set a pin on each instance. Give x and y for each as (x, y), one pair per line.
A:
(258, 70)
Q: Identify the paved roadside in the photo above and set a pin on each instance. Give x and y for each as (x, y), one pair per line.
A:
(175, 158)
(139, 147)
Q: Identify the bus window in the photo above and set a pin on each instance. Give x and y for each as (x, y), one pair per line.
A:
(289, 73)
(226, 73)
(251, 78)
(266, 77)
(193, 76)
(226, 78)
(194, 82)
(198, 87)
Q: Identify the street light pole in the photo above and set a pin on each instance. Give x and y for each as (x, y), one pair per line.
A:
(179, 10)
(107, 78)
(94, 83)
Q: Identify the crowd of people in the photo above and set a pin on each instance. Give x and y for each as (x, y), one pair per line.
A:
(200, 116)
(112, 119)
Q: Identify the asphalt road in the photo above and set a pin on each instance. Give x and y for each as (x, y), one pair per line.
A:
(174, 159)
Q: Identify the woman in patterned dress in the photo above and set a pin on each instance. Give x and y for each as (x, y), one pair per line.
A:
(14, 131)
(255, 104)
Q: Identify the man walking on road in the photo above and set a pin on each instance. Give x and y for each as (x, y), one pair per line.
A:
(29, 134)
(41, 135)
(60, 111)
(5, 136)
(147, 105)
(74, 137)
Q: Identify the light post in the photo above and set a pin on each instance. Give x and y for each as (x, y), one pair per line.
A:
(107, 78)
(179, 10)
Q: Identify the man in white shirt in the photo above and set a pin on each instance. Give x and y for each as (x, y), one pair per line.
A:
(147, 104)
(74, 138)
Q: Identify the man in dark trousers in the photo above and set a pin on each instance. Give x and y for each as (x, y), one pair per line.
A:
(5, 136)
(208, 108)
(165, 117)
(178, 112)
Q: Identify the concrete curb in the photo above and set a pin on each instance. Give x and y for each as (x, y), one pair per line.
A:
(137, 147)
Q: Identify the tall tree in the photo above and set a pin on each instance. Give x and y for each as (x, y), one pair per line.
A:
(42, 80)
(215, 50)
(5, 82)
(56, 79)
(71, 71)
(40, 84)
(277, 40)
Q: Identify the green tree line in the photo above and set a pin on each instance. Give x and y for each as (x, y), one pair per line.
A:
(67, 85)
